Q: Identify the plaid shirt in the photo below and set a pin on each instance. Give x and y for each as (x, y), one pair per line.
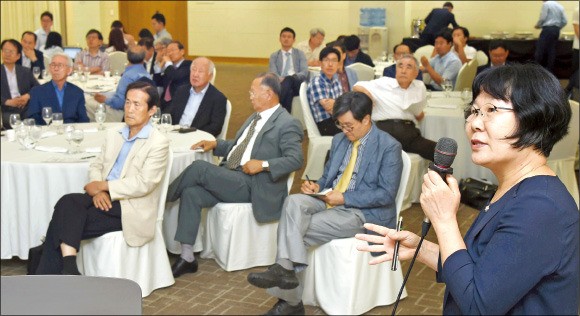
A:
(99, 60)
(321, 87)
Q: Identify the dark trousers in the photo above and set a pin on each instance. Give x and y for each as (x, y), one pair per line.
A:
(427, 39)
(75, 218)
(573, 82)
(290, 88)
(409, 136)
(328, 127)
(545, 54)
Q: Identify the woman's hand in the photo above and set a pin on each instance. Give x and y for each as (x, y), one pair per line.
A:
(386, 242)
(440, 200)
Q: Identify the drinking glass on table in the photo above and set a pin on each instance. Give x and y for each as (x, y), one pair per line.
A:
(36, 72)
(466, 95)
(21, 134)
(57, 122)
(77, 137)
(156, 117)
(68, 131)
(15, 120)
(47, 115)
(447, 85)
(87, 72)
(166, 121)
(101, 115)
(29, 122)
(46, 75)
(33, 137)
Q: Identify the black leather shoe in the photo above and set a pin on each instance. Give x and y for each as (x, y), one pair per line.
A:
(274, 276)
(181, 267)
(283, 308)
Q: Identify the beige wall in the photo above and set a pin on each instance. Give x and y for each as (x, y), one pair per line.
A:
(81, 16)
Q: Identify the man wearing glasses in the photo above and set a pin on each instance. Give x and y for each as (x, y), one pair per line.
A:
(62, 96)
(361, 180)
(399, 105)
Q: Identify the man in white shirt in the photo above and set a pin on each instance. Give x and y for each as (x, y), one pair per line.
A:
(313, 46)
(158, 25)
(399, 104)
(46, 21)
(460, 48)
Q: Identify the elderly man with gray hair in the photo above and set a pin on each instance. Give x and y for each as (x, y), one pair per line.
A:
(115, 101)
(398, 106)
(313, 46)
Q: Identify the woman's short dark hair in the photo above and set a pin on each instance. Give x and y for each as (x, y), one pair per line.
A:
(145, 33)
(539, 102)
(53, 39)
(329, 50)
(147, 88)
(13, 42)
(356, 102)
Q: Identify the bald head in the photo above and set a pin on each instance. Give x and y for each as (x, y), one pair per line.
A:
(135, 54)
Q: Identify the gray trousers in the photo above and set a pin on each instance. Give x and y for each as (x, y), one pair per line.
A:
(201, 185)
(306, 222)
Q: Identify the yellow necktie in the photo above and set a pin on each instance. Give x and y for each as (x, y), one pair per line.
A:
(347, 173)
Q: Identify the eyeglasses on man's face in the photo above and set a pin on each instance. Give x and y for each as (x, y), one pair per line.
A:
(57, 65)
(330, 61)
(344, 127)
(487, 112)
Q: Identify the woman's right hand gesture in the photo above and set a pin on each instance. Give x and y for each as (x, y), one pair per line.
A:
(386, 242)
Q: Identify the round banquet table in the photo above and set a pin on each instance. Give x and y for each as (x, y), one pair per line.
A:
(32, 181)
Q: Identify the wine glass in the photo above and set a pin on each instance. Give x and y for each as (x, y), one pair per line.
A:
(77, 137)
(32, 137)
(46, 75)
(15, 120)
(29, 122)
(156, 116)
(101, 115)
(21, 134)
(57, 122)
(466, 95)
(47, 114)
(447, 85)
(68, 131)
(166, 121)
(36, 72)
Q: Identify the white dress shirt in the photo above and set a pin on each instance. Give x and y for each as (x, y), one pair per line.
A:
(12, 82)
(40, 39)
(192, 106)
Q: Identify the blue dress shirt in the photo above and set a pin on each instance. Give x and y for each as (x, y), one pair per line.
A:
(127, 145)
(192, 106)
(447, 66)
(132, 73)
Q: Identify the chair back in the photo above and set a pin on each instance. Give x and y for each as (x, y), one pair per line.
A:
(566, 147)
(311, 127)
(212, 81)
(481, 57)
(118, 61)
(164, 185)
(46, 63)
(364, 72)
(290, 181)
(405, 172)
(426, 51)
(224, 132)
(69, 295)
(466, 75)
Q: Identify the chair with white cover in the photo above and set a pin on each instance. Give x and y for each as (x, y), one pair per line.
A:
(413, 189)
(296, 110)
(481, 58)
(426, 51)
(212, 81)
(118, 62)
(232, 233)
(69, 295)
(339, 278)
(318, 145)
(364, 72)
(466, 75)
(46, 62)
(563, 154)
(224, 132)
(148, 265)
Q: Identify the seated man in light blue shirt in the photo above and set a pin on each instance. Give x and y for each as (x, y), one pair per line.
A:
(445, 65)
(115, 101)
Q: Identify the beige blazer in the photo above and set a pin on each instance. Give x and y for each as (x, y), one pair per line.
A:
(138, 189)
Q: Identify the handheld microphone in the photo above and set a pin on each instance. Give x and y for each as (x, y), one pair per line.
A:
(445, 152)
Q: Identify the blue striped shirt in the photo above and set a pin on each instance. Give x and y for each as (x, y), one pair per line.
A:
(361, 148)
(320, 87)
(552, 14)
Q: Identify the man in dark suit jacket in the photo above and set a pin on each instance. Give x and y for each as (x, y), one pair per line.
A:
(62, 96)
(498, 53)
(255, 170)
(200, 104)
(353, 52)
(175, 72)
(150, 55)
(437, 19)
(15, 101)
(30, 56)
(362, 177)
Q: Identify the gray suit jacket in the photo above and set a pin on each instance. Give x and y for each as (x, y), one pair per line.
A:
(378, 176)
(298, 61)
(280, 143)
(26, 82)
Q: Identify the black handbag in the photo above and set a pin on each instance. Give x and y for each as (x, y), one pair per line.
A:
(476, 193)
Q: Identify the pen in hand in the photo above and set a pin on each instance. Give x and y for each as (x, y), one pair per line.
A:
(396, 250)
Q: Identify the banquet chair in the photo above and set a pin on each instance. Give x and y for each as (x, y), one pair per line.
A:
(364, 72)
(148, 265)
(212, 81)
(236, 240)
(46, 63)
(318, 145)
(426, 51)
(69, 295)
(466, 75)
(481, 58)
(118, 62)
(563, 154)
(339, 278)
(296, 110)
(224, 132)
(413, 189)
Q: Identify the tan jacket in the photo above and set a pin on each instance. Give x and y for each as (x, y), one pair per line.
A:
(139, 187)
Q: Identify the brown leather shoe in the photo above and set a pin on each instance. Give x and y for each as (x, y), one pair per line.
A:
(275, 276)
(283, 308)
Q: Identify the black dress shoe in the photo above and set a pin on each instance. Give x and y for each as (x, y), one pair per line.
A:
(274, 276)
(283, 308)
(181, 266)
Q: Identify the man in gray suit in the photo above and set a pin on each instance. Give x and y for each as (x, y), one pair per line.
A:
(257, 163)
(361, 180)
(291, 65)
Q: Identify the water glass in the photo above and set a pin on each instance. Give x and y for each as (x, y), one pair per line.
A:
(156, 116)
(68, 131)
(33, 137)
(57, 122)
(466, 95)
(21, 134)
(447, 85)
(101, 116)
(29, 122)
(77, 137)
(46, 75)
(15, 120)
(166, 121)
(36, 72)
(47, 114)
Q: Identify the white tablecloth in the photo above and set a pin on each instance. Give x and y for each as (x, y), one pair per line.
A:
(31, 184)
(444, 118)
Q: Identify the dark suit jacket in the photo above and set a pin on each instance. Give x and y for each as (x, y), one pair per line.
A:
(438, 19)
(38, 63)
(280, 143)
(174, 76)
(378, 176)
(152, 70)
(364, 58)
(73, 104)
(211, 113)
(485, 67)
(25, 82)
